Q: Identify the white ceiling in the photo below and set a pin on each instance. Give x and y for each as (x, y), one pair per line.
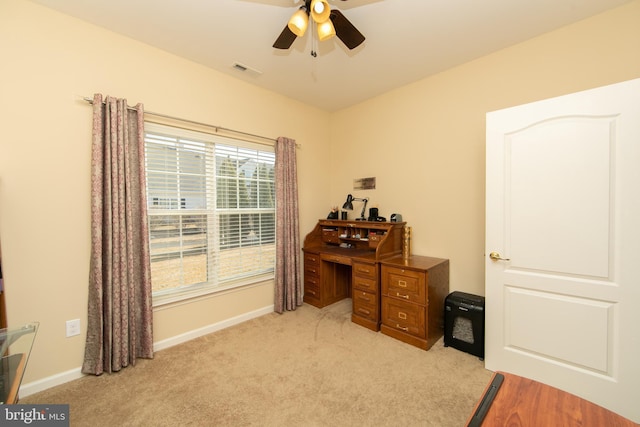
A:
(406, 40)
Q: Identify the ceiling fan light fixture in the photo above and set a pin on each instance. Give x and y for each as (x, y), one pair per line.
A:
(326, 30)
(298, 22)
(320, 10)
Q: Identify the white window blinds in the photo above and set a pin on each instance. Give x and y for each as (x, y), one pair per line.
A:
(211, 206)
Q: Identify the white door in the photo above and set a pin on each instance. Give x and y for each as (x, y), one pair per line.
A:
(563, 213)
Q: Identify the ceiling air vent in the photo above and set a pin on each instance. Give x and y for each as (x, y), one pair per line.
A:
(246, 69)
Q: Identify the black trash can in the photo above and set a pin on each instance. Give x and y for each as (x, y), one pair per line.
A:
(464, 323)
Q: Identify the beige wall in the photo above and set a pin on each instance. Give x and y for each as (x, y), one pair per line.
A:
(49, 61)
(426, 151)
(425, 142)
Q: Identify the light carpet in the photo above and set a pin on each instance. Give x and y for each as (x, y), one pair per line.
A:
(309, 367)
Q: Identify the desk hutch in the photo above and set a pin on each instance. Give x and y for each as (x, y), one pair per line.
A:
(362, 260)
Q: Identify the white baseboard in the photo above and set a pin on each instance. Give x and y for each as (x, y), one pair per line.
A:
(196, 333)
(52, 381)
(76, 373)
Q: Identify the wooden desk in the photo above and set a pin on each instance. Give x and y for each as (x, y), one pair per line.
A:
(528, 403)
(332, 250)
(403, 298)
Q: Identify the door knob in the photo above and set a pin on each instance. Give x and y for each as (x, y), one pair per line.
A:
(496, 257)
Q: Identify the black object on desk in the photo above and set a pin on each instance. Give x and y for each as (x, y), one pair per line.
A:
(487, 399)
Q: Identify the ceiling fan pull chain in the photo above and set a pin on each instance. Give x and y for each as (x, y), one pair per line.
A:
(313, 42)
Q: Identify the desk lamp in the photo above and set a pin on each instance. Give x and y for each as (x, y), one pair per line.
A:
(349, 205)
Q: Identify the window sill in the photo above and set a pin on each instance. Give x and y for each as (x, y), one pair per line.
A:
(192, 295)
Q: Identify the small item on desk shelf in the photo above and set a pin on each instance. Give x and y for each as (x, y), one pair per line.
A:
(396, 217)
(345, 245)
(373, 216)
(334, 213)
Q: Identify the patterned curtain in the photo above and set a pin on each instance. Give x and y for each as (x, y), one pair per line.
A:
(120, 313)
(288, 286)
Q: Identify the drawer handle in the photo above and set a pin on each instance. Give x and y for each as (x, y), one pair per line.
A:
(313, 270)
(402, 283)
(311, 292)
(398, 294)
(365, 297)
(362, 310)
(402, 315)
(402, 328)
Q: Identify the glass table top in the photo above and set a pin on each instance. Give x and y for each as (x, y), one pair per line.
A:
(15, 348)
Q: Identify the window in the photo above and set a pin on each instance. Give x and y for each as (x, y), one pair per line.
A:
(211, 207)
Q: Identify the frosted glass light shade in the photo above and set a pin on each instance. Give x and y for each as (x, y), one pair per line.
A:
(320, 10)
(326, 30)
(299, 22)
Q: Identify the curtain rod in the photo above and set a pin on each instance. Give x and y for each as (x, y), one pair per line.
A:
(217, 128)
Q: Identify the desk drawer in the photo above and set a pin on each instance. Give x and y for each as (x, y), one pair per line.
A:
(311, 270)
(338, 259)
(364, 284)
(330, 236)
(374, 240)
(310, 258)
(311, 265)
(365, 304)
(365, 270)
(311, 293)
(404, 284)
(403, 316)
(312, 282)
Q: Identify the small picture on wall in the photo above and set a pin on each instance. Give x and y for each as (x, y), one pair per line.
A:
(364, 184)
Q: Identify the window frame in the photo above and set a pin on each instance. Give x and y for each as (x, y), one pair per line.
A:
(211, 285)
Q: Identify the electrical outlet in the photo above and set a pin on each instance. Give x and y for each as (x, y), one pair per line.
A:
(73, 327)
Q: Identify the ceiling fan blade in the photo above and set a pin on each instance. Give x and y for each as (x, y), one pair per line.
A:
(285, 39)
(345, 30)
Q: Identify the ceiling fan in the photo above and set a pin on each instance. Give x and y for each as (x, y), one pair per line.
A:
(329, 23)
